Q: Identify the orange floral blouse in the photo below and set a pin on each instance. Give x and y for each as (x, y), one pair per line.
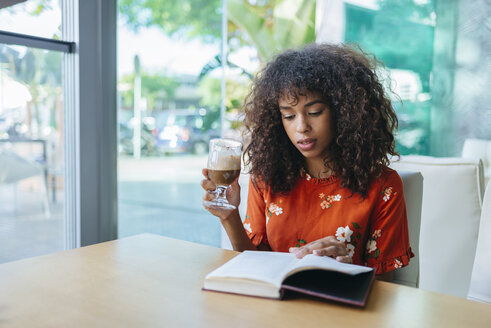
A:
(374, 229)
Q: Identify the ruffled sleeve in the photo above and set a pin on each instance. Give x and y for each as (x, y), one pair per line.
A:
(255, 220)
(388, 246)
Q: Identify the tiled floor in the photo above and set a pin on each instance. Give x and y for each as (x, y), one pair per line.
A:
(25, 229)
(156, 195)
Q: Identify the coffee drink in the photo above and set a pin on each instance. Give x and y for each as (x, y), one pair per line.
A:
(224, 169)
(223, 177)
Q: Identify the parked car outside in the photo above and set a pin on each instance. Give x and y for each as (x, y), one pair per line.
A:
(183, 131)
(147, 143)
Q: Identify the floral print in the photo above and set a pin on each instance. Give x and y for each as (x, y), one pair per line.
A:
(349, 237)
(247, 224)
(397, 264)
(273, 209)
(387, 193)
(371, 246)
(372, 250)
(373, 230)
(247, 227)
(351, 250)
(344, 234)
(328, 200)
(301, 242)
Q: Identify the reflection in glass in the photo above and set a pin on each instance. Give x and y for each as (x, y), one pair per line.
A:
(435, 54)
(401, 35)
(31, 152)
(40, 18)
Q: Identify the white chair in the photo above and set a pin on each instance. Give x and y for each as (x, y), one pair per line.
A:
(244, 189)
(451, 210)
(480, 287)
(479, 149)
(413, 188)
(413, 195)
(14, 168)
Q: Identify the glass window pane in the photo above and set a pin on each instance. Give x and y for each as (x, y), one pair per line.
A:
(434, 52)
(34, 17)
(167, 114)
(178, 43)
(31, 152)
(401, 35)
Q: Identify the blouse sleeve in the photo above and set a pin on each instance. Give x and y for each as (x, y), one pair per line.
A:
(255, 220)
(388, 242)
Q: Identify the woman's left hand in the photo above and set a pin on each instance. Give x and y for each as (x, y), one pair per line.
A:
(327, 246)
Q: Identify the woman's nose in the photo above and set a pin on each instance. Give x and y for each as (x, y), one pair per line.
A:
(302, 124)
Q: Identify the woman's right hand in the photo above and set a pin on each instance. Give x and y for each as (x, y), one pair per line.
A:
(233, 196)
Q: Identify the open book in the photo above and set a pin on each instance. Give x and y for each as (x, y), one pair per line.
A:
(269, 274)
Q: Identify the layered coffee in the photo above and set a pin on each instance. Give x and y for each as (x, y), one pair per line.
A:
(224, 169)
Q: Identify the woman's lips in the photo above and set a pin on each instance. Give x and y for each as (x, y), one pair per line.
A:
(306, 144)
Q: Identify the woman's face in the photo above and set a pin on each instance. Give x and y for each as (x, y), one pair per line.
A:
(307, 122)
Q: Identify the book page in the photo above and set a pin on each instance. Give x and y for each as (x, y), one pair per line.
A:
(311, 261)
(269, 267)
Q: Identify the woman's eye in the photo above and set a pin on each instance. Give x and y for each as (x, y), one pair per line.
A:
(315, 113)
(288, 117)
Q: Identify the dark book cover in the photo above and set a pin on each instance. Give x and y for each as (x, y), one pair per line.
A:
(332, 285)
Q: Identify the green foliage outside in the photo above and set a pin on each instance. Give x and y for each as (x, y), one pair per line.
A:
(153, 87)
(270, 26)
(236, 90)
(286, 24)
(183, 18)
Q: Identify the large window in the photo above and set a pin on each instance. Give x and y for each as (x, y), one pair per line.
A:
(175, 95)
(168, 110)
(32, 197)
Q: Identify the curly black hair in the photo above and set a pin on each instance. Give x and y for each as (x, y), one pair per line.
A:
(363, 116)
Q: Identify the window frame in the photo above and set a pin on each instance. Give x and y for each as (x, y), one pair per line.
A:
(89, 120)
(96, 142)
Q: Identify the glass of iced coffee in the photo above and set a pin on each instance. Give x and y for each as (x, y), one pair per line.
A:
(223, 169)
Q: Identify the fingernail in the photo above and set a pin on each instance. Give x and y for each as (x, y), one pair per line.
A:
(316, 252)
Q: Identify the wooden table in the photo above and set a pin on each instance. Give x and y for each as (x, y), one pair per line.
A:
(153, 281)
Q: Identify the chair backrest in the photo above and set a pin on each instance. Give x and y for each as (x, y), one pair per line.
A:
(479, 148)
(413, 187)
(480, 287)
(451, 210)
(413, 195)
(244, 190)
(14, 168)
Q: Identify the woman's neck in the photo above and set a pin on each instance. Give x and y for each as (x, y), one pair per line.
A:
(317, 169)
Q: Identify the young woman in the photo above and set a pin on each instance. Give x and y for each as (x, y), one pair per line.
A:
(321, 130)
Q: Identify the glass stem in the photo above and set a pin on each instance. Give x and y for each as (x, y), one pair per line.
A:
(221, 193)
